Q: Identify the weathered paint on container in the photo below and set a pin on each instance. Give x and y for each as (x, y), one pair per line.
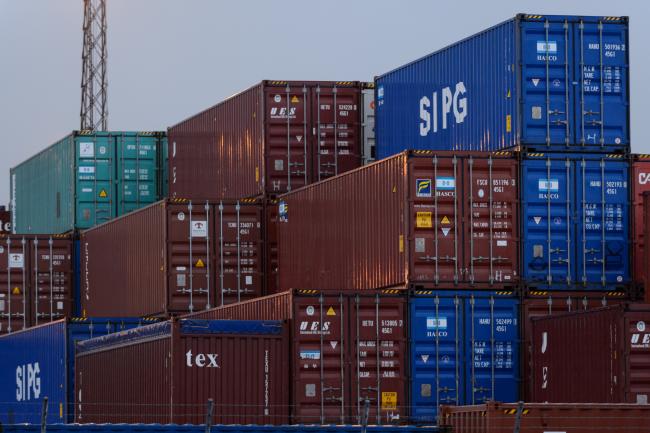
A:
(177, 256)
(539, 82)
(464, 349)
(166, 373)
(575, 222)
(542, 304)
(274, 137)
(597, 356)
(347, 347)
(39, 362)
(429, 219)
(497, 417)
(639, 183)
(85, 179)
(36, 280)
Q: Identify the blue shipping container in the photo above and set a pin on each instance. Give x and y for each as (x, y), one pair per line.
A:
(464, 349)
(575, 222)
(551, 83)
(39, 362)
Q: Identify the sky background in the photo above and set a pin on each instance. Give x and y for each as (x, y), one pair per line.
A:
(168, 59)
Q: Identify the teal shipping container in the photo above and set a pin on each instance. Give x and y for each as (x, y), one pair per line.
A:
(88, 178)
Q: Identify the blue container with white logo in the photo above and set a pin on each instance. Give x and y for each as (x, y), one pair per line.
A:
(464, 349)
(575, 221)
(535, 82)
(39, 362)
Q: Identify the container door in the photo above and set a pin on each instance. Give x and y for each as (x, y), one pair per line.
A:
(137, 170)
(640, 183)
(436, 356)
(190, 254)
(288, 153)
(238, 259)
(636, 357)
(435, 241)
(547, 226)
(336, 123)
(95, 180)
(602, 100)
(603, 223)
(14, 288)
(378, 331)
(321, 389)
(492, 350)
(368, 116)
(271, 264)
(52, 279)
(490, 194)
(547, 71)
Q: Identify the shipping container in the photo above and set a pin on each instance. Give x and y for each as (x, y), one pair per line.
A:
(176, 256)
(5, 221)
(575, 222)
(536, 82)
(347, 347)
(543, 303)
(85, 179)
(36, 280)
(495, 417)
(166, 373)
(597, 356)
(639, 183)
(645, 286)
(430, 219)
(274, 137)
(464, 349)
(39, 362)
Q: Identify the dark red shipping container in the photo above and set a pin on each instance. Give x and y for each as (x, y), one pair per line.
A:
(546, 418)
(5, 221)
(36, 280)
(640, 184)
(645, 252)
(429, 219)
(542, 304)
(347, 347)
(175, 256)
(274, 137)
(165, 373)
(597, 356)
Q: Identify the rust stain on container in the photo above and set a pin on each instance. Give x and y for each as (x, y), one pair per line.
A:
(432, 220)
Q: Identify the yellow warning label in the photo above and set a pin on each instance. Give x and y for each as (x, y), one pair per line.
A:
(508, 123)
(200, 264)
(388, 400)
(60, 410)
(423, 220)
(331, 312)
(16, 291)
(508, 95)
(102, 193)
(295, 100)
(257, 174)
(401, 243)
(445, 220)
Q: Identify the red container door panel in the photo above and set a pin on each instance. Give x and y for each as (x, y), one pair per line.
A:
(288, 138)
(640, 184)
(52, 279)
(14, 284)
(238, 262)
(190, 249)
(490, 215)
(271, 262)
(637, 357)
(435, 240)
(320, 382)
(336, 126)
(378, 332)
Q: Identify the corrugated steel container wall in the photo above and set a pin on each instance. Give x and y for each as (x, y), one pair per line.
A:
(553, 83)
(274, 137)
(39, 362)
(541, 304)
(640, 183)
(645, 252)
(575, 222)
(447, 220)
(85, 179)
(336, 364)
(167, 372)
(178, 257)
(464, 349)
(5, 222)
(612, 341)
(544, 417)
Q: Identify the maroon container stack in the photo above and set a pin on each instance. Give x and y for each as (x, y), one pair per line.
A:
(36, 280)
(346, 347)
